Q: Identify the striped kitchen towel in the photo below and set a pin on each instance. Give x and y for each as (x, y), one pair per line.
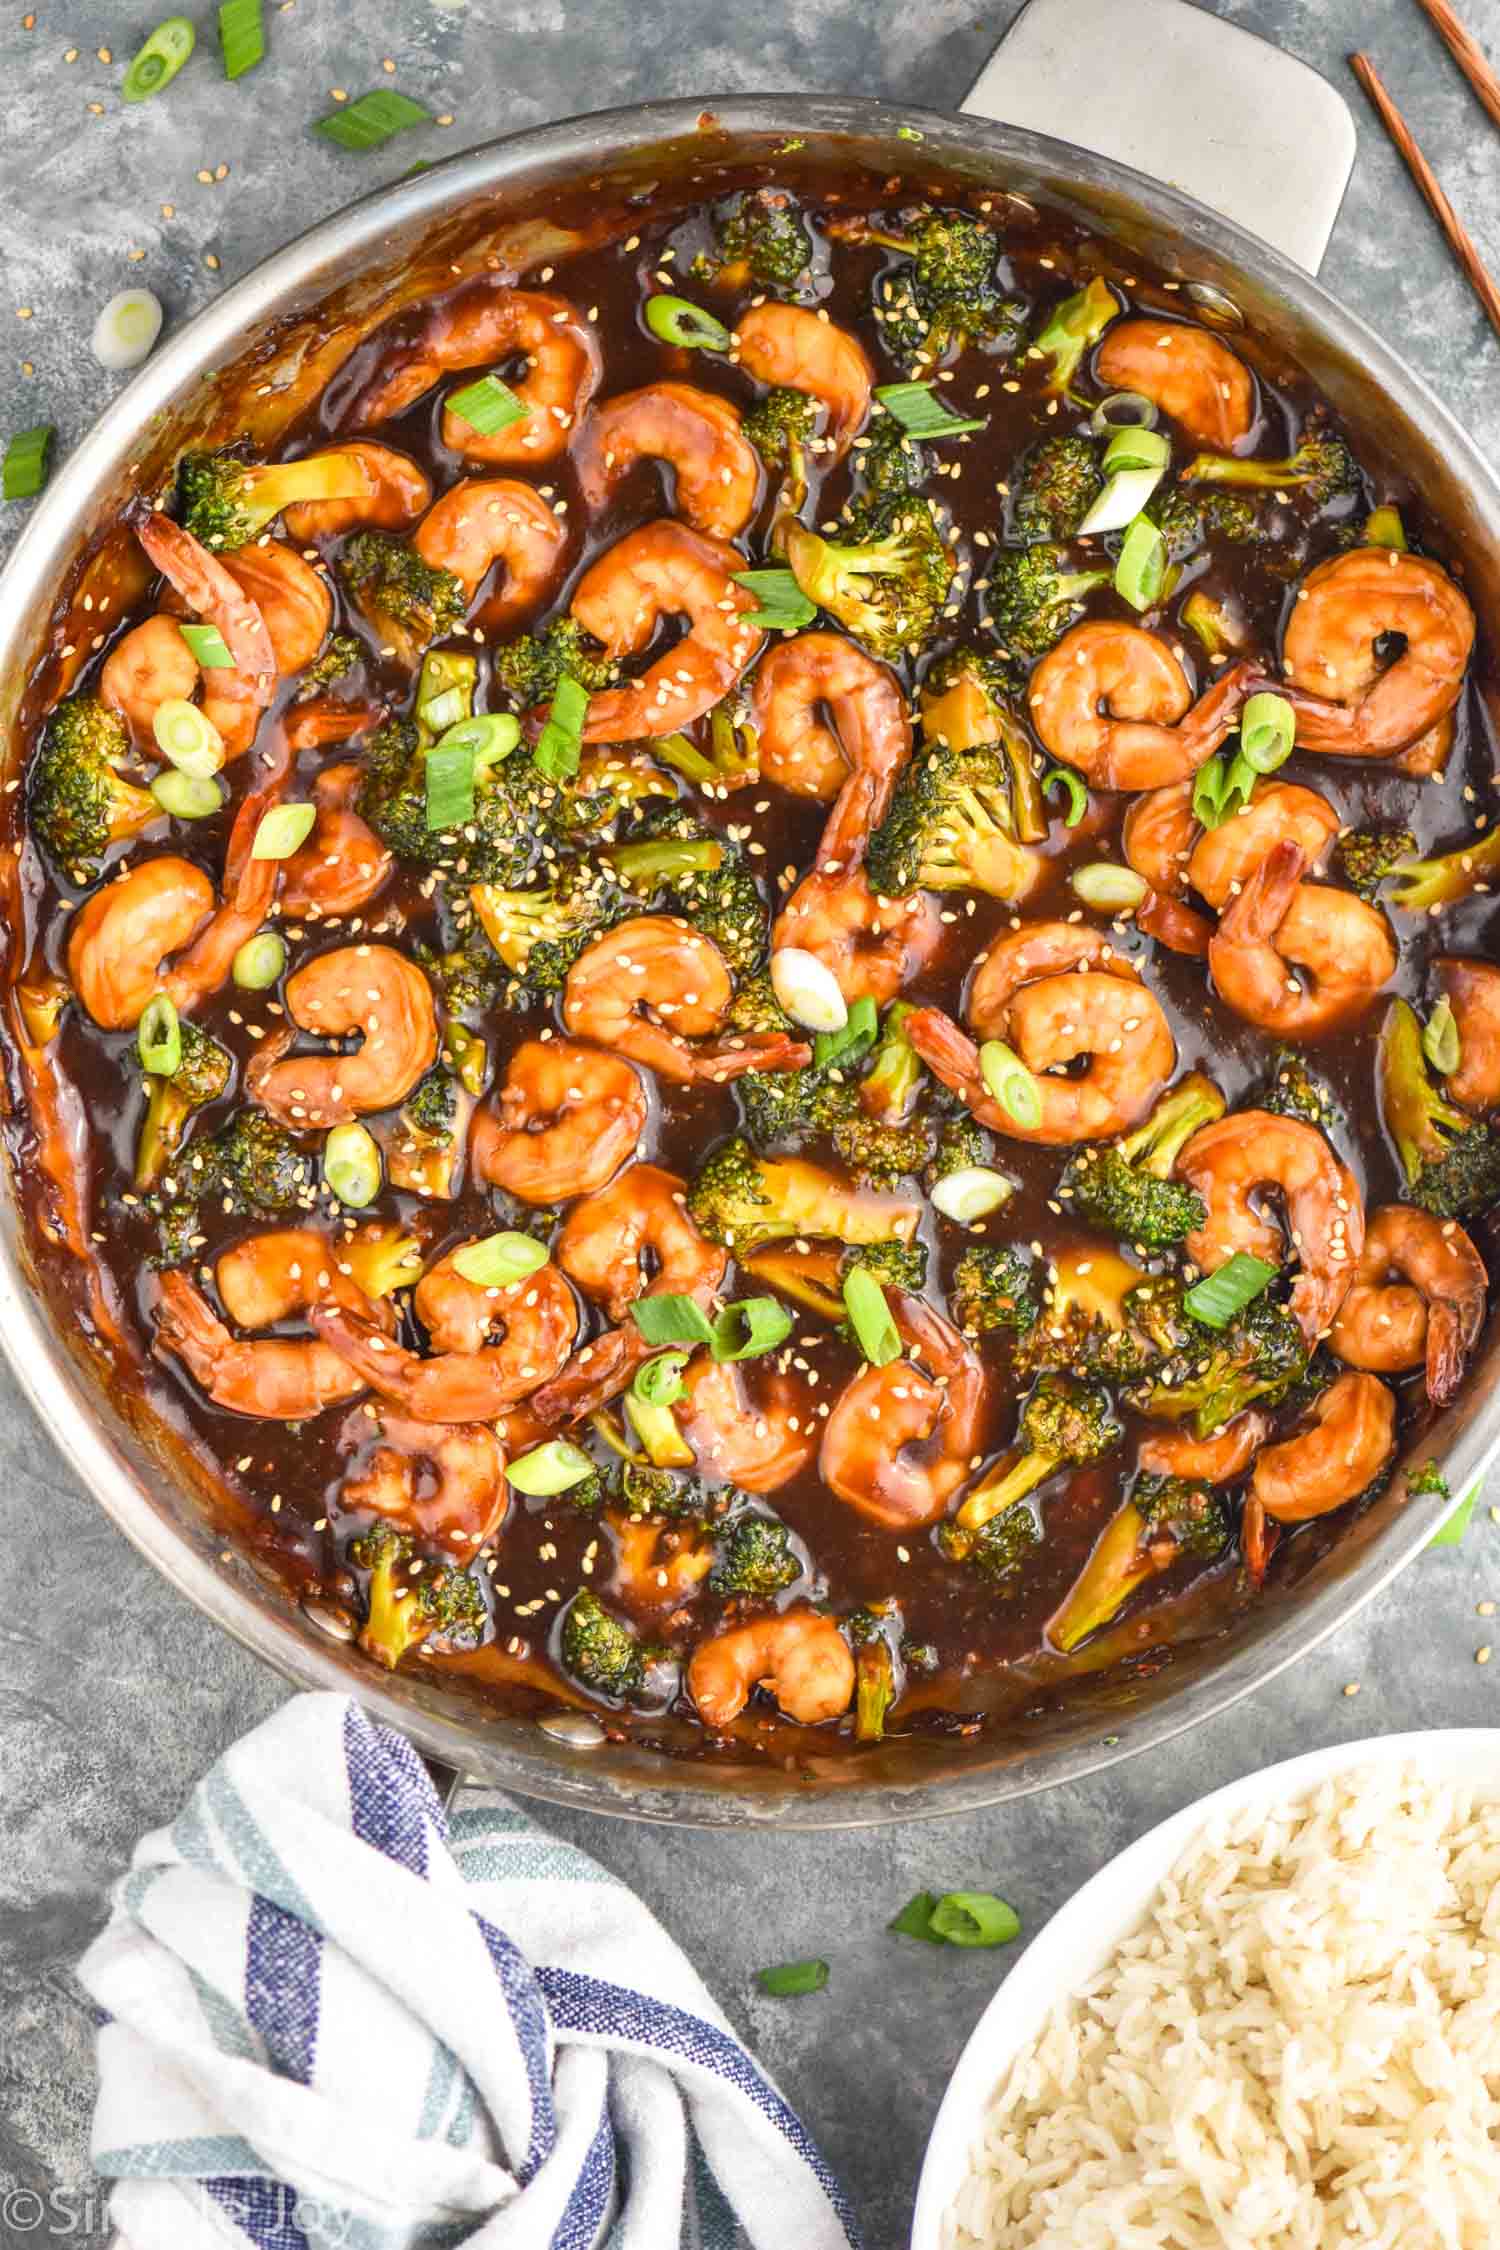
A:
(333, 2019)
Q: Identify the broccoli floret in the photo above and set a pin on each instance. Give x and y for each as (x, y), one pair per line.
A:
(1322, 466)
(1065, 1424)
(79, 803)
(1000, 1549)
(1427, 1480)
(470, 974)
(1164, 1519)
(895, 1265)
(226, 500)
(409, 603)
(1366, 856)
(993, 1288)
(1103, 1317)
(968, 703)
(1231, 516)
(539, 932)
(875, 1633)
(1210, 1378)
(755, 1558)
(341, 655)
(201, 1076)
(1073, 328)
(1291, 1090)
(742, 1200)
(878, 1152)
(645, 1490)
(1186, 520)
(888, 460)
(520, 816)
(1055, 485)
(529, 668)
(761, 238)
(1451, 1160)
(954, 823)
(676, 864)
(432, 1104)
(422, 1151)
(730, 760)
(887, 582)
(1216, 628)
(600, 1650)
(1422, 884)
(947, 297)
(779, 426)
(1034, 598)
(961, 1146)
(252, 1163)
(1127, 1189)
(410, 1599)
(896, 1074)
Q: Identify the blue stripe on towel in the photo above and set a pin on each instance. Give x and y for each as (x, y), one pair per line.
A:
(264, 2209)
(392, 1801)
(588, 2205)
(528, 2015)
(282, 1964)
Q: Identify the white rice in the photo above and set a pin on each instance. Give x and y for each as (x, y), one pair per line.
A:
(1300, 2048)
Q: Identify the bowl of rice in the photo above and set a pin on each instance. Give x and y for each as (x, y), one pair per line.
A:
(1272, 2024)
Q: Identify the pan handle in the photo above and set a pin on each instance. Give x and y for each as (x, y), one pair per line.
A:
(1195, 103)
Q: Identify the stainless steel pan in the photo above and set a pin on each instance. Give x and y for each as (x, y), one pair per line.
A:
(497, 202)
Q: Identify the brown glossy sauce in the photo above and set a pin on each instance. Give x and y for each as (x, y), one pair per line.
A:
(285, 1480)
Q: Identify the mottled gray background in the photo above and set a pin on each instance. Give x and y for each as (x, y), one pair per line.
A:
(114, 1695)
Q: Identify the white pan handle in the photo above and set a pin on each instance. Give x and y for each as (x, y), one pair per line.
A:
(1196, 103)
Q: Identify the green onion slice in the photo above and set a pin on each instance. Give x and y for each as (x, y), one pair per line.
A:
(1221, 788)
(1268, 729)
(190, 741)
(915, 1919)
(282, 831)
(559, 746)
(971, 1193)
(875, 1331)
(372, 120)
(749, 1328)
(789, 1979)
(974, 1918)
(1123, 410)
(242, 36)
(658, 1382)
(440, 712)
(1141, 566)
(159, 60)
(187, 796)
(449, 773)
(208, 646)
(497, 1261)
(24, 470)
(921, 413)
(860, 1028)
(1136, 447)
(675, 321)
(1064, 778)
(672, 1320)
(489, 736)
(1440, 1040)
(259, 961)
(351, 1165)
(782, 605)
(1108, 887)
(1452, 1532)
(1384, 528)
(553, 1467)
(1214, 1301)
(1011, 1083)
(158, 1037)
(487, 406)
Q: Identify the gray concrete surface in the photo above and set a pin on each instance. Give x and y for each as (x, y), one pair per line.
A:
(113, 1695)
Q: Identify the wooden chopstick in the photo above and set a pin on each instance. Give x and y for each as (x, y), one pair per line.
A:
(1456, 233)
(1466, 52)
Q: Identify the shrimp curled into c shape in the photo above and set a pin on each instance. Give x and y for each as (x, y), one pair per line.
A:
(1472, 990)
(757, 1446)
(802, 1658)
(367, 989)
(444, 1482)
(1189, 374)
(1430, 1316)
(158, 910)
(485, 520)
(1236, 1158)
(665, 570)
(1113, 701)
(267, 1277)
(1344, 702)
(655, 990)
(1352, 1437)
(1298, 958)
(716, 470)
(870, 730)
(793, 349)
(901, 1438)
(565, 1120)
(485, 326)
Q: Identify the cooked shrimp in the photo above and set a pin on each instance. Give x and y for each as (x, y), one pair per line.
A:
(665, 570)
(398, 492)
(1039, 949)
(870, 731)
(444, 1483)
(1214, 1460)
(370, 990)
(292, 597)
(122, 937)
(902, 1438)
(268, 1277)
(320, 719)
(1239, 1158)
(1187, 372)
(485, 520)
(1345, 700)
(874, 946)
(1114, 701)
(485, 327)
(715, 468)
(1431, 1316)
(471, 1377)
(1351, 1438)
(280, 1271)
(1428, 755)
(756, 1446)
(801, 1658)
(563, 1123)
(1225, 858)
(233, 696)
(1157, 839)
(603, 1247)
(343, 864)
(654, 990)
(788, 347)
(1472, 989)
(150, 665)
(1298, 958)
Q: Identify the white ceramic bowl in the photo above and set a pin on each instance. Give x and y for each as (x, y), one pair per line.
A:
(1082, 1935)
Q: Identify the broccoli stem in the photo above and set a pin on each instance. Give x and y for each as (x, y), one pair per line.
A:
(1121, 1561)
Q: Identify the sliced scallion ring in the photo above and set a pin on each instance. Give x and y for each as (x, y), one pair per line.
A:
(1440, 1041)
(749, 1328)
(808, 990)
(658, 1381)
(1108, 888)
(259, 961)
(559, 746)
(1122, 499)
(970, 1193)
(1064, 778)
(351, 1165)
(126, 328)
(1384, 528)
(671, 1319)
(158, 1037)
(283, 830)
(157, 63)
(554, 1467)
(1011, 1084)
(1215, 1301)
(1268, 730)
(677, 321)
(1123, 410)
(875, 1330)
(498, 1261)
(187, 796)
(373, 119)
(188, 740)
(1141, 566)
(208, 646)
(489, 736)
(487, 406)
(1136, 447)
(443, 711)
(24, 470)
